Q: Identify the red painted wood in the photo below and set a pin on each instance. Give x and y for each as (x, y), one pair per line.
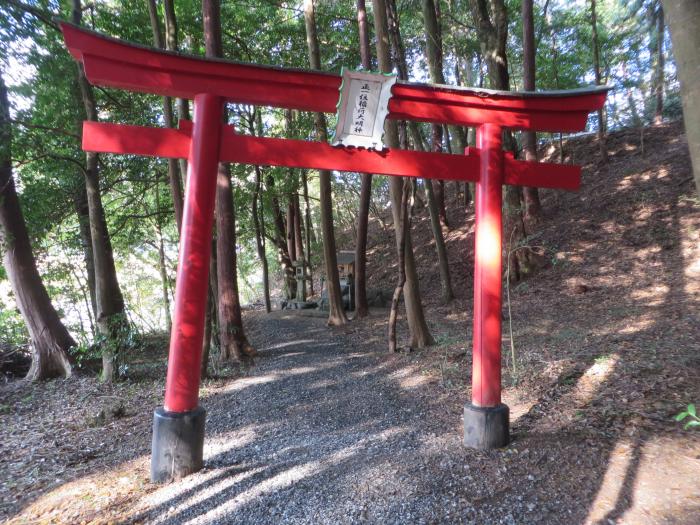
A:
(115, 63)
(103, 137)
(464, 115)
(542, 174)
(486, 367)
(302, 154)
(182, 383)
(263, 151)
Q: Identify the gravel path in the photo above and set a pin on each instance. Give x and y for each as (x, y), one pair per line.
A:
(319, 433)
(324, 430)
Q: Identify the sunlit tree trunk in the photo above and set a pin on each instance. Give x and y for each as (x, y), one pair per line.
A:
(50, 340)
(336, 314)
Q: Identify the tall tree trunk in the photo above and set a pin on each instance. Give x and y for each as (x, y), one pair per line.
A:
(336, 315)
(233, 341)
(492, 28)
(683, 18)
(81, 208)
(259, 223)
(659, 73)
(445, 278)
(209, 315)
(163, 268)
(164, 281)
(531, 197)
(291, 241)
(285, 257)
(401, 254)
(111, 318)
(211, 324)
(291, 211)
(554, 50)
(361, 308)
(398, 55)
(420, 334)
(459, 132)
(50, 340)
(434, 192)
(291, 245)
(598, 80)
(256, 128)
(183, 110)
(280, 240)
(298, 239)
(308, 230)
(174, 176)
(433, 37)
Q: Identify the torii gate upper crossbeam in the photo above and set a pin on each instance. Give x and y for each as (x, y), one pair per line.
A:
(113, 63)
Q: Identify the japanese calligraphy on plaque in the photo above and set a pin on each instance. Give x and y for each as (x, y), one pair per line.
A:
(362, 109)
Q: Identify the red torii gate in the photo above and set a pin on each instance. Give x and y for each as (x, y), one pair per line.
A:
(178, 429)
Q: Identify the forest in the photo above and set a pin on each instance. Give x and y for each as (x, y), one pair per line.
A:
(90, 251)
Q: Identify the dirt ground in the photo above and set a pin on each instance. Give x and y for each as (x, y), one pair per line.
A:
(327, 427)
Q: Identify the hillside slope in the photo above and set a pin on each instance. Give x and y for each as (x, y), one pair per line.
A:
(606, 338)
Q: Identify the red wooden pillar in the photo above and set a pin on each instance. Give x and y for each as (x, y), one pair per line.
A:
(486, 375)
(178, 427)
(486, 419)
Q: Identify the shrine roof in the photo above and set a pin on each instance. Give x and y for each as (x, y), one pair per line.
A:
(345, 257)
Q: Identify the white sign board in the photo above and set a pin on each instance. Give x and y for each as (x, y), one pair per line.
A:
(362, 109)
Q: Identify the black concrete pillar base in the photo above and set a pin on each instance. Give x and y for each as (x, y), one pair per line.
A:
(486, 427)
(178, 444)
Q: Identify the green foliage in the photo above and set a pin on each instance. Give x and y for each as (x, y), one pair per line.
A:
(689, 415)
(14, 331)
(47, 114)
(83, 354)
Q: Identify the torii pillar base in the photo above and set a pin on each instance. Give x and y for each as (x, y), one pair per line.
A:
(178, 444)
(486, 427)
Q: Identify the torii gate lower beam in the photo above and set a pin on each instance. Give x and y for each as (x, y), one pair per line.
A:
(178, 430)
